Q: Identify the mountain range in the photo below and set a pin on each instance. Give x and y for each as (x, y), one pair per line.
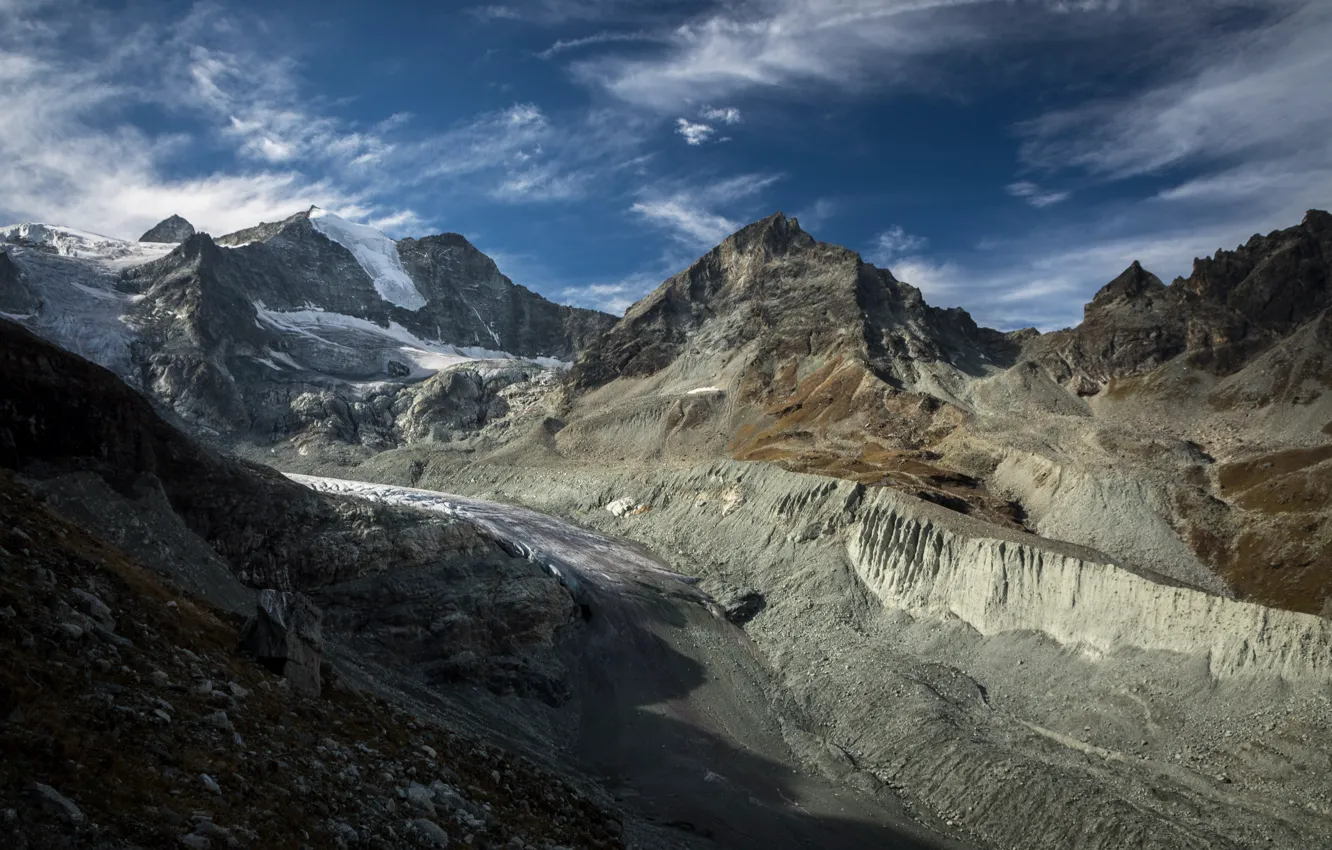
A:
(981, 573)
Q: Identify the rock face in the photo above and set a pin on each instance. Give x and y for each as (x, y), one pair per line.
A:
(286, 636)
(171, 229)
(16, 298)
(290, 264)
(772, 287)
(796, 352)
(311, 328)
(1233, 306)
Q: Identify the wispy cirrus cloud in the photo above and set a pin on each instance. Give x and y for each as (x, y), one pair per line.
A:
(857, 45)
(895, 242)
(693, 214)
(1035, 195)
(565, 45)
(1241, 121)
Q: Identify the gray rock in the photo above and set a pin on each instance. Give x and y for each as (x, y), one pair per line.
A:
(286, 636)
(170, 229)
(195, 842)
(210, 783)
(96, 608)
(219, 720)
(428, 831)
(53, 801)
(420, 797)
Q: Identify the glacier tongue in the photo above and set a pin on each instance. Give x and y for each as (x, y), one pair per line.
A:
(376, 253)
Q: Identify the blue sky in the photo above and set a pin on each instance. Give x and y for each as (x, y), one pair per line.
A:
(1007, 156)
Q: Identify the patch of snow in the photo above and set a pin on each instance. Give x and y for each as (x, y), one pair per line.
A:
(80, 244)
(285, 359)
(488, 328)
(343, 331)
(703, 390)
(376, 253)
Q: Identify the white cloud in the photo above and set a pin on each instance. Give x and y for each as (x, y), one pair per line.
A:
(248, 142)
(895, 242)
(1035, 195)
(694, 134)
(687, 219)
(850, 44)
(691, 212)
(563, 45)
(613, 298)
(495, 12)
(724, 115)
(936, 281)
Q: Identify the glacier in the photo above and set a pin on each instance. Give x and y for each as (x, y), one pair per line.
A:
(376, 253)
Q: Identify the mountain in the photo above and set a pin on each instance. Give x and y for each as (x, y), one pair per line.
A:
(311, 323)
(804, 355)
(170, 229)
(1233, 306)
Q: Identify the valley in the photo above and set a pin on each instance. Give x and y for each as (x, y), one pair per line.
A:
(785, 556)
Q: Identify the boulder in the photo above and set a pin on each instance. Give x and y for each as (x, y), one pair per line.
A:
(285, 635)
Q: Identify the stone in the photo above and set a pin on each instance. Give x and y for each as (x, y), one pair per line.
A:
(51, 800)
(420, 797)
(195, 842)
(431, 833)
(96, 608)
(210, 783)
(219, 720)
(285, 635)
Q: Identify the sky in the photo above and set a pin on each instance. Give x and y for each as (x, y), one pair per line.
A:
(1006, 156)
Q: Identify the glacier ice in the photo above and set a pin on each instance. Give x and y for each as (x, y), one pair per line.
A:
(376, 253)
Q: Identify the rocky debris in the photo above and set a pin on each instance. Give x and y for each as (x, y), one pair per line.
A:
(170, 229)
(53, 801)
(430, 833)
(286, 636)
(245, 759)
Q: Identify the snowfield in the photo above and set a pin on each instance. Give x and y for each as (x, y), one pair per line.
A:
(338, 329)
(67, 242)
(376, 253)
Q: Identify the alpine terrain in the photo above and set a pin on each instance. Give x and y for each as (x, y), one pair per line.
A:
(316, 538)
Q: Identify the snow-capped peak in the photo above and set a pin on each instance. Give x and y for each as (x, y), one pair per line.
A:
(69, 242)
(376, 253)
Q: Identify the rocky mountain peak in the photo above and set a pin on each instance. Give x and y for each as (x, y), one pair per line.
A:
(773, 236)
(170, 229)
(1135, 282)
